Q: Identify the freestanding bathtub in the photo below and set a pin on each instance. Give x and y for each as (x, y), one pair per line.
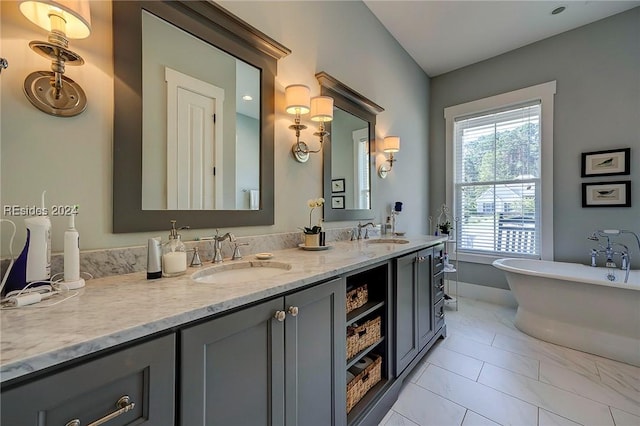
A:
(577, 306)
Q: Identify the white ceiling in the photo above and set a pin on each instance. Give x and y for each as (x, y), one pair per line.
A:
(445, 35)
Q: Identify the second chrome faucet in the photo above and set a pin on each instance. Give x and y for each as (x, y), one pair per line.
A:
(217, 244)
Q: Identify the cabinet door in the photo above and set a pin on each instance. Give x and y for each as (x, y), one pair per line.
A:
(425, 303)
(89, 392)
(315, 354)
(406, 326)
(232, 369)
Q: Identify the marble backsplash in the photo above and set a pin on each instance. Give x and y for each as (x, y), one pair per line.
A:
(116, 261)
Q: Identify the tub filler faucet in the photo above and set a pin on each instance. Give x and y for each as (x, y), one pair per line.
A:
(609, 252)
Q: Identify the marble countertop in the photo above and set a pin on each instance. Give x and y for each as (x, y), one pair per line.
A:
(118, 309)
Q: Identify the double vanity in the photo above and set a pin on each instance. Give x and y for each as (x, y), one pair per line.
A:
(248, 342)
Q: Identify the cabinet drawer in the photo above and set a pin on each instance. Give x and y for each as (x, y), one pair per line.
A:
(438, 258)
(438, 312)
(438, 287)
(90, 391)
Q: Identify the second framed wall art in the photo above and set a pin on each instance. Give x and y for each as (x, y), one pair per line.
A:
(606, 194)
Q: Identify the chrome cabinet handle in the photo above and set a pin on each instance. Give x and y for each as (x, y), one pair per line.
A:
(441, 315)
(293, 310)
(280, 315)
(421, 259)
(123, 405)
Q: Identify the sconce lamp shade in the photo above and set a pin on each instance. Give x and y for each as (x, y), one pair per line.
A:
(391, 144)
(75, 16)
(297, 99)
(322, 108)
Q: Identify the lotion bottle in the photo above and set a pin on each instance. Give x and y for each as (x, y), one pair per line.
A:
(174, 254)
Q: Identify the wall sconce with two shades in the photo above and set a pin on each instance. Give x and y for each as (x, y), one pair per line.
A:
(53, 92)
(391, 144)
(299, 102)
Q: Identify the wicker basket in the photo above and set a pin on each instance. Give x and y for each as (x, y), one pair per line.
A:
(357, 297)
(364, 381)
(363, 336)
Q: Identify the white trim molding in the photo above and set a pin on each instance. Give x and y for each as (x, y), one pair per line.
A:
(545, 94)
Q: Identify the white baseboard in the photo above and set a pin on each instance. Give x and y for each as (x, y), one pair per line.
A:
(498, 296)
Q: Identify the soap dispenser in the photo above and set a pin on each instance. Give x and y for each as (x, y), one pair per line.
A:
(174, 254)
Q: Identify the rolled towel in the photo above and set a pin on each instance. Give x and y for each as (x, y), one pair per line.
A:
(360, 365)
(254, 199)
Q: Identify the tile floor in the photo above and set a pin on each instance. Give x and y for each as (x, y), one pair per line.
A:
(486, 372)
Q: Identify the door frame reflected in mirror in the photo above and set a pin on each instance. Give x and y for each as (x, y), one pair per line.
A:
(213, 24)
(354, 103)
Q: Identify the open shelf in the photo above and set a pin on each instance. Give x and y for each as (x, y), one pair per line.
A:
(366, 400)
(378, 281)
(363, 311)
(351, 361)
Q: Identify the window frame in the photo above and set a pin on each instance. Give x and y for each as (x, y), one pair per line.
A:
(545, 94)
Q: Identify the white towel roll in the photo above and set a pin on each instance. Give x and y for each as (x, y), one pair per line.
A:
(360, 365)
(254, 199)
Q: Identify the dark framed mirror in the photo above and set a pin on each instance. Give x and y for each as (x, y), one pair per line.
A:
(164, 53)
(348, 166)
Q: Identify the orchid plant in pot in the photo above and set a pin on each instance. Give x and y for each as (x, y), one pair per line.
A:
(312, 233)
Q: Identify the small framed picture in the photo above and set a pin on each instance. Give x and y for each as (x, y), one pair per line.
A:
(606, 194)
(337, 202)
(337, 185)
(606, 163)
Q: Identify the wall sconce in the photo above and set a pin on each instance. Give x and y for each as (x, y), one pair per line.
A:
(299, 103)
(52, 92)
(322, 112)
(297, 100)
(391, 145)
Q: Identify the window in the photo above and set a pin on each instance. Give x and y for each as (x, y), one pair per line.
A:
(361, 157)
(499, 184)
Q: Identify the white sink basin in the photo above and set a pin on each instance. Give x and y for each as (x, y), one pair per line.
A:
(388, 241)
(240, 272)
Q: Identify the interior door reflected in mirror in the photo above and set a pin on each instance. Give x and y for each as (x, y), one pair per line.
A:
(350, 161)
(207, 155)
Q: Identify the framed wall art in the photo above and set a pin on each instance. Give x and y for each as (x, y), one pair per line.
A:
(337, 202)
(337, 185)
(606, 163)
(606, 194)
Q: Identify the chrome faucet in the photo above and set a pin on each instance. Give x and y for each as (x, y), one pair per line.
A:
(236, 251)
(366, 230)
(217, 241)
(609, 252)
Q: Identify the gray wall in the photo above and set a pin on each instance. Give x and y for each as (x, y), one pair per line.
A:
(72, 158)
(247, 156)
(597, 107)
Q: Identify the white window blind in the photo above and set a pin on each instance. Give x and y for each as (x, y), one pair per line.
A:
(497, 181)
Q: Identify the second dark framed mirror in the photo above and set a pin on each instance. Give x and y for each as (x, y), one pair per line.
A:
(348, 164)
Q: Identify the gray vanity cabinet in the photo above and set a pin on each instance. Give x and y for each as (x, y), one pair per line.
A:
(414, 318)
(406, 326)
(96, 389)
(426, 323)
(270, 364)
